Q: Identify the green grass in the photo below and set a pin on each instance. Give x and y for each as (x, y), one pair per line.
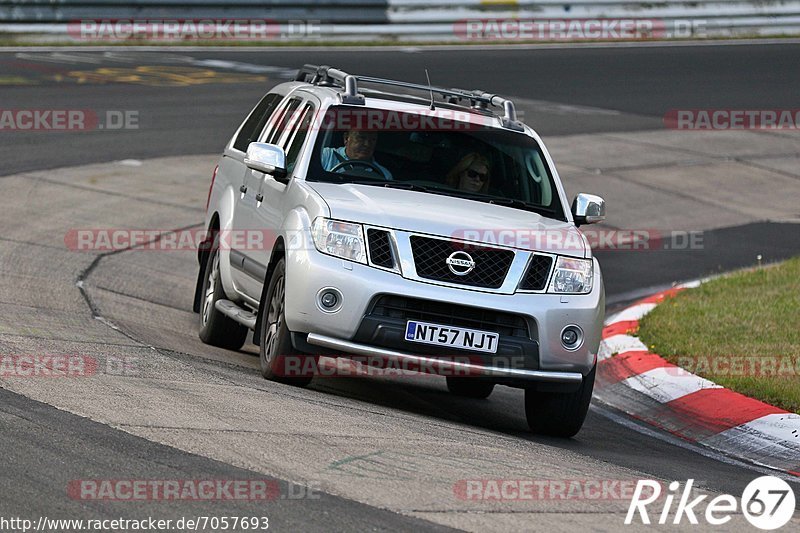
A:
(740, 331)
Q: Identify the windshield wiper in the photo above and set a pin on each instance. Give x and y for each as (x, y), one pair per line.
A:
(510, 202)
(447, 191)
(405, 185)
(391, 184)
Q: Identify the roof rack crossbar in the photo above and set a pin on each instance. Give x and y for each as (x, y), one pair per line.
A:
(458, 93)
(329, 75)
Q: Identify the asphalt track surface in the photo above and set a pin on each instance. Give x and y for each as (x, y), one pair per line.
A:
(46, 447)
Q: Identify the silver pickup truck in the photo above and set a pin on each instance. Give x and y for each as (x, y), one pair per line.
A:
(418, 226)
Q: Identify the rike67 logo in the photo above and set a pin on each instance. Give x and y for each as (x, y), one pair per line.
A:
(767, 502)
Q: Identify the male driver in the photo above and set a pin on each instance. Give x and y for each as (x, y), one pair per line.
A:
(358, 146)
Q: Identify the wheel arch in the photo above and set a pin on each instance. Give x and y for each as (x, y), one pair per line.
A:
(278, 252)
(202, 258)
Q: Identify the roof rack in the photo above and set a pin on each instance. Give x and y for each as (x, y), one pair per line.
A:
(324, 75)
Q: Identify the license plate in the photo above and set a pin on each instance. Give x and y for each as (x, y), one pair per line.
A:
(466, 339)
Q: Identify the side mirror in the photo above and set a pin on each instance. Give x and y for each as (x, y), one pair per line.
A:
(588, 209)
(267, 158)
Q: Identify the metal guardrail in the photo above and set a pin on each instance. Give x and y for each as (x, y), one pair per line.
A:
(416, 20)
(54, 11)
(410, 11)
(707, 18)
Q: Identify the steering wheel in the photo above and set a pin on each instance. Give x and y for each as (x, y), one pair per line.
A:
(358, 162)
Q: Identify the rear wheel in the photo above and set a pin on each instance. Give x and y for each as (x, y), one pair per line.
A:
(559, 414)
(215, 328)
(279, 360)
(470, 387)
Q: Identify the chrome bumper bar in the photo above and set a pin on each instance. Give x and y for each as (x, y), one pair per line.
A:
(456, 367)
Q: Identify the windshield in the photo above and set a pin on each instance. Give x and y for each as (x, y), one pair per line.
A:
(427, 153)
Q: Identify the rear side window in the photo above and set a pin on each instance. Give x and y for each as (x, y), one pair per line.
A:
(256, 121)
(299, 136)
(282, 120)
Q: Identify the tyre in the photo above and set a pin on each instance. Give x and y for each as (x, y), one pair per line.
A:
(277, 354)
(215, 328)
(559, 414)
(470, 387)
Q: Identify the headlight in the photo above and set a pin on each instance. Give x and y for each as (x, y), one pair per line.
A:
(341, 239)
(572, 276)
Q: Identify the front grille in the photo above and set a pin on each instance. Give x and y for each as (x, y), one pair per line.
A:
(447, 314)
(491, 264)
(535, 277)
(380, 248)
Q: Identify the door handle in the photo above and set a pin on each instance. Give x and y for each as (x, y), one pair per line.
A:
(243, 189)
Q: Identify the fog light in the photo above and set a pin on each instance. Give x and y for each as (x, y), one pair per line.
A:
(329, 300)
(571, 337)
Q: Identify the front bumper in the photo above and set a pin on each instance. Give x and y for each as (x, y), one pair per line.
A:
(309, 271)
(447, 367)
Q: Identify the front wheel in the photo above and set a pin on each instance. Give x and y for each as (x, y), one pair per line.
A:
(215, 328)
(279, 360)
(559, 414)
